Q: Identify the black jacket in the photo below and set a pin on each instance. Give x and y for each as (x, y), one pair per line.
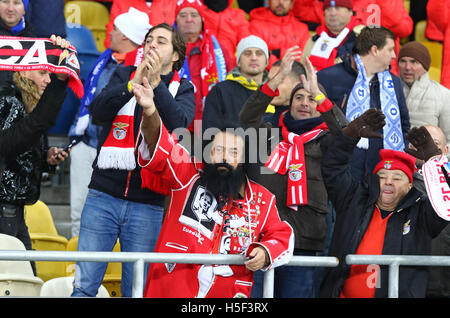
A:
(409, 230)
(23, 142)
(174, 112)
(309, 222)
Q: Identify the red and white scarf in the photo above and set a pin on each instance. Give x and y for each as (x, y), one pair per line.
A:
(289, 157)
(324, 51)
(119, 149)
(438, 189)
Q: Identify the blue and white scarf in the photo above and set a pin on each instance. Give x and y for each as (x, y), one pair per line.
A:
(90, 87)
(359, 102)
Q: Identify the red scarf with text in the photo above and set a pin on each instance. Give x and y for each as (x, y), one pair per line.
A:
(289, 157)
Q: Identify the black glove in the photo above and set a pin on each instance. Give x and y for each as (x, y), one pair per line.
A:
(425, 146)
(366, 125)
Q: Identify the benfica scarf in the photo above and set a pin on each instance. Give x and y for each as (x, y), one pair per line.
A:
(213, 62)
(289, 157)
(31, 54)
(324, 51)
(118, 150)
(437, 186)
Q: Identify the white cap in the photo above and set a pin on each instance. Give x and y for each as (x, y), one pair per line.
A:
(251, 41)
(134, 24)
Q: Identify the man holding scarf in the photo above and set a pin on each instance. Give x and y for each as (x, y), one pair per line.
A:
(334, 38)
(292, 171)
(128, 34)
(363, 81)
(117, 207)
(206, 62)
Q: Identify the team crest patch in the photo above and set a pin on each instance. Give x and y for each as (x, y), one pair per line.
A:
(170, 266)
(295, 173)
(119, 132)
(406, 227)
(387, 165)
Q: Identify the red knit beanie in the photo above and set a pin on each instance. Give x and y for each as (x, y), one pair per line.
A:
(196, 4)
(338, 3)
(396, 160)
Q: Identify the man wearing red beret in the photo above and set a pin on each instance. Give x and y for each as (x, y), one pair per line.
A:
(384, 214)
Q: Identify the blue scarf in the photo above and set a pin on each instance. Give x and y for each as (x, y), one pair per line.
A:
(359, 102)
(90, 87)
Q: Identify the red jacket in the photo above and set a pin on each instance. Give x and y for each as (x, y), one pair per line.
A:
(195, 225)
(161, 11)
(309, 11)
(438, 11)
(229, 27)
(280, 33)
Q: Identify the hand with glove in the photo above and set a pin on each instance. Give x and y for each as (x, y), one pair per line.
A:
(425, 147)
(366, 125)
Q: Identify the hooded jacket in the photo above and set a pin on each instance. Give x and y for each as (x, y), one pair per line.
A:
(229, 27)
(439, 12)
(280, 33)
(409, 229)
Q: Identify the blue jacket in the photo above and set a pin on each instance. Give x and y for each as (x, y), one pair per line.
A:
(174, 112)
(338, 81)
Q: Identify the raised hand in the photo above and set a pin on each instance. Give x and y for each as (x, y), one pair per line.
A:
(310, 83)
(144, 96)
(425, 147)
(288, 59)
(64, 44)
(366, 125)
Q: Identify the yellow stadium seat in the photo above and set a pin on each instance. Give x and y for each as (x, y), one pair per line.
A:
(435, 49)
(16, 277)
(435, 74)
(91, 14)
(419, 32)
(113, 274)
(44, 237)
(407, 4)
(63, 287)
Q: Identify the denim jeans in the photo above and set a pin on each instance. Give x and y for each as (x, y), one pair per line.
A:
(290, 281)
(104, 219)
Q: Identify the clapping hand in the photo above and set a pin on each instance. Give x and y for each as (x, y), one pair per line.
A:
(144, 96)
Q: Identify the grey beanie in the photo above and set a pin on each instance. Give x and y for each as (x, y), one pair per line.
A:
(252, 41)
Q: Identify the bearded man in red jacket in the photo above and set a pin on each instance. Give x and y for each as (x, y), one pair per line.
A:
(216, 210)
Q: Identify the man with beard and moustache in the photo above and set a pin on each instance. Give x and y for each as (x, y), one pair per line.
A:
(242, 218)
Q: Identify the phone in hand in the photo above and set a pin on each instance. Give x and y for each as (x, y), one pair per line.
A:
(67, 148)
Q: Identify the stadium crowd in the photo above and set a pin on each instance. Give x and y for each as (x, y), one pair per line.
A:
(261, 128)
